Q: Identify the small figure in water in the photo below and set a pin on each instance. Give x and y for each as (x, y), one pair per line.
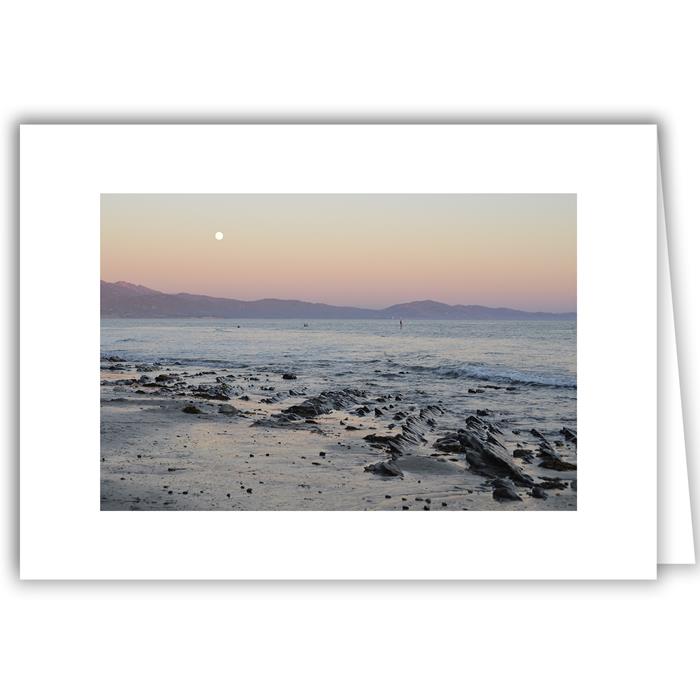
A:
(400, 323)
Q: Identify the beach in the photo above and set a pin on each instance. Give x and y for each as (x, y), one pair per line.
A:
(272, 415)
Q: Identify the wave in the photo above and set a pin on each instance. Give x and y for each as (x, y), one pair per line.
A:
(496, 374)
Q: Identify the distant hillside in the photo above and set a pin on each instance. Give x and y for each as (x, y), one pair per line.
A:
(126, 300)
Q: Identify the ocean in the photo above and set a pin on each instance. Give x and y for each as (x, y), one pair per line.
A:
(533, 362)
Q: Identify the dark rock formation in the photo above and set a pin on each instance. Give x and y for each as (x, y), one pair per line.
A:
(191, 409)
(412, 432)
(388, 468)
(484, 453)
(504, 490)
(215, 392)
(550, 459)
(325, 402)
(569, 434)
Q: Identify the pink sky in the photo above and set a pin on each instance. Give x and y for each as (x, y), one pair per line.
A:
(361, 250)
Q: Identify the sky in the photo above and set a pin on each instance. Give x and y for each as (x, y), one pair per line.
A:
(369, 250)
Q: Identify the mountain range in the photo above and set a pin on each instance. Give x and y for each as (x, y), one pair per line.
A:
(127, 300)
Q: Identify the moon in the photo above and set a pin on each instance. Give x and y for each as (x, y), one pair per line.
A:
(219, 236)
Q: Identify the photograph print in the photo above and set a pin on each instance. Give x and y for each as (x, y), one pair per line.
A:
(338, 352)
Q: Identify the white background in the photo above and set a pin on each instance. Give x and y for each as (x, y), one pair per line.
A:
(507, 61)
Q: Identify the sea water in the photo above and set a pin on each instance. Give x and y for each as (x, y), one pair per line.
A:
(533, 363)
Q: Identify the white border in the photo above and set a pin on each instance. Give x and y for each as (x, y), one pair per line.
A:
(65, 168)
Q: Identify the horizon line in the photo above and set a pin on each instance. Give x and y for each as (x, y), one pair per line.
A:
(342, 306)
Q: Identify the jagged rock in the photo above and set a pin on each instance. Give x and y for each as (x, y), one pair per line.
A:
(412, 432)
(504, 490)
(569, 434)
(384, 469)
(449, 443)
(216, 392)
(555, 483)
(537, 434)
(144, 367)
(484, 453)
(289, 375)
(325, 402)
(524, 454)
(550, 459)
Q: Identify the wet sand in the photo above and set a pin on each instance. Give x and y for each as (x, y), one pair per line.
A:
(293, 444)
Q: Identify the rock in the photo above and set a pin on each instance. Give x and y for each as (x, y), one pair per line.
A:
(384, 469)
(378, 412)
(474, 421)
(325, 402)
(483, 412)
(525, 455)
(550, 459)
(537, 434)
(449, 443)
(504, 490)
(538, 492)
(569, 434)
(249, 490)
(411, 434)
(484, 453)
(554, 483)
(191, 409)
(289, 375)
(215, 392)
(228, 409)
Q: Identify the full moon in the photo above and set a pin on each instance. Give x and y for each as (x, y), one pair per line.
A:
(219, 236)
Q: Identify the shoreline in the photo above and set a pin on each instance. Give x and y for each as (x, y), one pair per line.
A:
(177, 437)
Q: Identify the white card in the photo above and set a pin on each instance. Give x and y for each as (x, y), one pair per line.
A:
(605, 527)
